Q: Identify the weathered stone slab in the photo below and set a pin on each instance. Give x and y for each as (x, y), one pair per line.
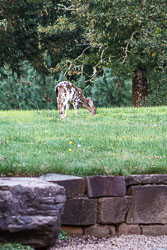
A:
(100, 186)
(113, 210)
(125, 229)
(80, 211)
(75, 186)
(149, 205)
(154, 230)
(146, 179)
(30, 211)
(73, 230)
(99, 231)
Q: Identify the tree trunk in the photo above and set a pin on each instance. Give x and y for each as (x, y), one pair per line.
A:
(139, 88)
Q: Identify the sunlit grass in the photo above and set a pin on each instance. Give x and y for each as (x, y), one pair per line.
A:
(118, 141)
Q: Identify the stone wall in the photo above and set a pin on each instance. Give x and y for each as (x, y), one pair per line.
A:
(105, 206)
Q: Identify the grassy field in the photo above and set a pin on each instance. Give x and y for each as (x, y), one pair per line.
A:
(117, 141)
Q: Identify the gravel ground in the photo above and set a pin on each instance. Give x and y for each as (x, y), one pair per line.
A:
(128, 242)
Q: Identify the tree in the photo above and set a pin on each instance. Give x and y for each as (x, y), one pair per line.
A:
(40, 32)
(130, 36)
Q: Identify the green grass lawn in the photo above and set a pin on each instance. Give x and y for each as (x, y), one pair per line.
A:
(116, 141)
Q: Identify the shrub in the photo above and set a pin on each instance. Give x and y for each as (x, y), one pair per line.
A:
(30, 91)
(63, 235)
(14, 246)
(35, 91)
(110, 90)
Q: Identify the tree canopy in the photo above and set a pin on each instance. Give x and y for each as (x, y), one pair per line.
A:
(127, 33)
(37, 31)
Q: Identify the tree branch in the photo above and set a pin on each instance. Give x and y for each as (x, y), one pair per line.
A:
(63, 7)
(127, 46)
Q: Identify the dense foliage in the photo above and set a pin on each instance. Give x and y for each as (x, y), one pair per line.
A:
(36, 91)
(41, 32)
(127, 33)
(31, 91)
(109, 90)
(128, 36)
(157, 84)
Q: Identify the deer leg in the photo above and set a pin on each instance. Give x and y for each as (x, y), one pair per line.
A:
(75, 105)
(67, 109)
(61, 108)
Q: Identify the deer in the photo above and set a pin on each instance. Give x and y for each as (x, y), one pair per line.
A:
(67, 93)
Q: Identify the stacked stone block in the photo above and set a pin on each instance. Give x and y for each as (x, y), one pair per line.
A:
(106, 206)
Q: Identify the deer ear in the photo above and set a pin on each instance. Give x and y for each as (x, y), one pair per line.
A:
(90, 102)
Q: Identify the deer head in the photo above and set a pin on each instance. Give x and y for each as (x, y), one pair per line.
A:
(88, 104)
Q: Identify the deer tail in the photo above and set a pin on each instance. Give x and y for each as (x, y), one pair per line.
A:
(56, 91)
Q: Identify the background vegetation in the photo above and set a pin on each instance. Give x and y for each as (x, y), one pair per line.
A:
(101, 45)
(36, 91)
